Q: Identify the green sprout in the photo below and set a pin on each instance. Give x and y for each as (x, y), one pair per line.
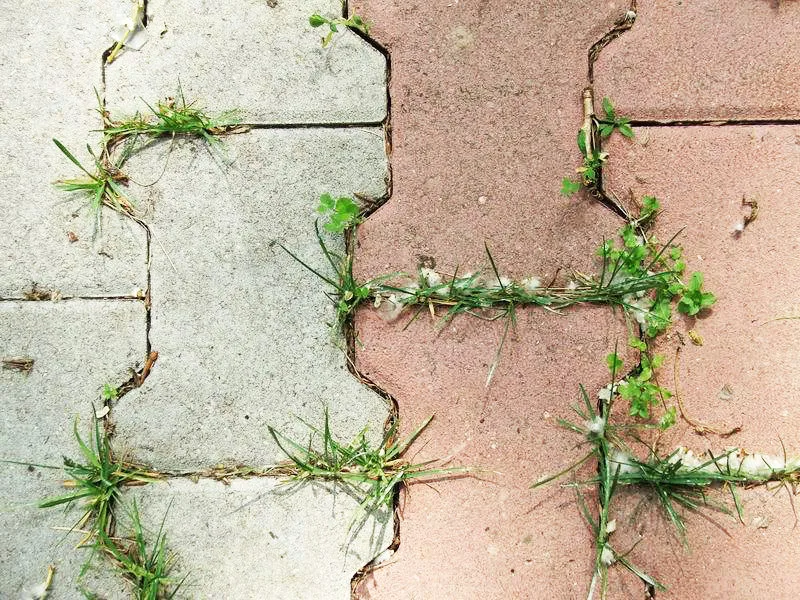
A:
(343, 213)
(103, 187)
(612, 122)
(354, 22)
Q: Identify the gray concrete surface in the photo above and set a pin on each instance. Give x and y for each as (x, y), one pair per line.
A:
(258, 538)
(272, 65)
(241, 328)
(77, 346)
(50, 64)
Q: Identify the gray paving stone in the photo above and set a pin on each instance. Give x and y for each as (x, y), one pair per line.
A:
(257, 538)
(77, 346)
(50, 63)
(34, 538)
(271, 65)
(240, 327)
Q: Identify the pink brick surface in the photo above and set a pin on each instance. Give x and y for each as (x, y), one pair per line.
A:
(700, 174)
(486, 100)
(706, 60)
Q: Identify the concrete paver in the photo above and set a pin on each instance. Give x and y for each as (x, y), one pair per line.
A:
(240, 327)
(705, 60)
(274, 69)
(744, 374)
(257, 538)
(77, 346)
(486, 100)
(722, 559)
(50, 65)
(489, 536)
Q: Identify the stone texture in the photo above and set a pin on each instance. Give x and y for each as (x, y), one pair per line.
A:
(490, 536)
(723, 559)
(273, 68)
(705, 60)
(50, 62)
(486, 100)
(77, 346)
(241, 328)
(261, 538)
(745, 372)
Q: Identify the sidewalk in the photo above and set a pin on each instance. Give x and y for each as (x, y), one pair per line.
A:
(458, 119)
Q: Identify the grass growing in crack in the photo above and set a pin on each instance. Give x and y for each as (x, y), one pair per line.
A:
(637, 274)
(368, 473)
(98, 482)
(147, 567)
(680, 480)
(172, 117)
(103, 187)
(354, 22)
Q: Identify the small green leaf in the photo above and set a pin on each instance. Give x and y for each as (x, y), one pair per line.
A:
(650, 206)
(326, 203)
(667, 419)
(333, 27)
(608, 109)
(582, 141)
(316, 20)
(637, 344)
(626, 130)
(569, 187)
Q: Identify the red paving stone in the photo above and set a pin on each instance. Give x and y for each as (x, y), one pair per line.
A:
(486, 102)
(489, 537)
(706, 60)
(701, 174)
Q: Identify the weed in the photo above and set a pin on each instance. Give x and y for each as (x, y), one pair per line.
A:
(354, 22)
(369, 473)
(173, 116)
(589, 145)
(679, 480)
(343, 213)
(109, 393)
(98, 482)
(103, 187)
(693, 298)
(348, 292)
(611, 122)
(147, 568)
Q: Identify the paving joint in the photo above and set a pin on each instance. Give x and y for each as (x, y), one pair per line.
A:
(621, 25)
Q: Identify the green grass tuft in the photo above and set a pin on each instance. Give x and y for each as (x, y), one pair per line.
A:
(369, 473)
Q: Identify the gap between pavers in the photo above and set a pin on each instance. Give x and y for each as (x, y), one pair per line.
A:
(745, 372)
(705, 60)
(272, 66)
(78, 346)
(49, 68)
(241, 328)
(258, 538)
